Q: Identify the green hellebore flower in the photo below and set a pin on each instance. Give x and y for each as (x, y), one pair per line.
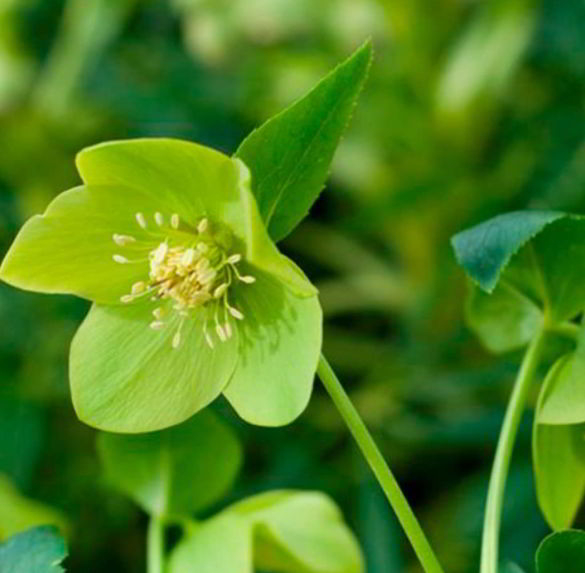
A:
(191, 296)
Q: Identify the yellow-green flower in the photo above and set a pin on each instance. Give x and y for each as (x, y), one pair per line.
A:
(191, 296)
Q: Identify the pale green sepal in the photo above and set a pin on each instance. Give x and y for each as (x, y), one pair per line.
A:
(177, 471)
(280, 343)
(300, 532)
(221, 545)
(190, 179)
(70, 248)
(261, 250)
(126, 377)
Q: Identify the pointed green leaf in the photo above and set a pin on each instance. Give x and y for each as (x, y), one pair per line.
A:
(562, 552)
(70, 248)
(279, 350)
(300, 532)
(38, 550)
(559, 458)
(290, 154)
(176, 471)
(222, 544)
(19, 513)
(565, 399)
(126, 377)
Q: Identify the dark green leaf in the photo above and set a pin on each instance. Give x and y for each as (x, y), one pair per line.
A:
(176, 471)
(485, 250)
(289, 155)
(38, 550)
(562, 552)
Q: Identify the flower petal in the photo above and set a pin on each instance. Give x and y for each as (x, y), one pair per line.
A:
(190, 179)
(70, 248)
(126, 377)
(261, 250)
(280, 343)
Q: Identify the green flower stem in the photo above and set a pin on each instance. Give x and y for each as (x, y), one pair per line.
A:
(376, 461)
(155, 545)
(497, 485)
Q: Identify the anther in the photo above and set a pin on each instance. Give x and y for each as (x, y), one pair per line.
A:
(188, 257)
(120, 259)
(228, 329)
(177, 339)
(202, 247)
(127, 298)
(236, 313)
(160, 253)
(247, 279)
(141, 220)
(159, 219)
(220, 332)
(158, 313)
(157, 325)
(138, 287)
(220, 290)
(175, 221)
(122, 240)
(233, 259)
(202, 226)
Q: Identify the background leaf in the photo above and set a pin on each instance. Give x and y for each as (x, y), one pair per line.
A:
(559, 459)
(176, 471)
(38, 550)
(19, 513)
(289, 155)
(222, 544)
(300, 532)
(562, 552)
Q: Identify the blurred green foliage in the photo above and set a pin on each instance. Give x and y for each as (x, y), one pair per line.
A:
(472, 108)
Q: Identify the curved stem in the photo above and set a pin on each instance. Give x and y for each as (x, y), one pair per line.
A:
(499, 475)
(376, 461)
(155, 546)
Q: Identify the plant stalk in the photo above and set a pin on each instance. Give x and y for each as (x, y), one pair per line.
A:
(376, 461)
(155, 545)
(508, 433)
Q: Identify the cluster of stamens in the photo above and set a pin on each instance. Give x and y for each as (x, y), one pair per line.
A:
(192, 276)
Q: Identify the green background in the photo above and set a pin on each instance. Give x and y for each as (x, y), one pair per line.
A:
(471, 109)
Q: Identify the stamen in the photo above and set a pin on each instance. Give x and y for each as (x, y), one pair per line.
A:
(233, 259)
(175, 221)
(120, 259)
(202, 226)
(220, 332)
(208, 338)
(235, 313)
(188, 257)
(220, 290)
(228, 329)
(127, 298)
(160, 253)
(158, 313)
(141, 220)
(122, 240)
(138, 287)
(202, 247)
(177, 339)
(248, 279)
(157, 325)
(202, 265)
(159, 219)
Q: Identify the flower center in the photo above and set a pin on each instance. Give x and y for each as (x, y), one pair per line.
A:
(190, 275)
